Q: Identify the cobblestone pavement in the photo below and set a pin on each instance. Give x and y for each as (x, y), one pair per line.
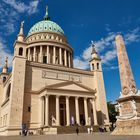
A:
(95, 136)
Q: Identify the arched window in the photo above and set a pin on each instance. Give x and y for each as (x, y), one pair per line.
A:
(97, 66)
(21, 51)
(8, 91)
(92, 66)
(4, 79)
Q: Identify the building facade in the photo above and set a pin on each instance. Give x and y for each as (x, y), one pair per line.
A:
(44, 91)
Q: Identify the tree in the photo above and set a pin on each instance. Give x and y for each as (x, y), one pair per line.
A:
(112, 112)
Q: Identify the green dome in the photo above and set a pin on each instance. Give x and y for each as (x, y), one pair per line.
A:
(46, 26)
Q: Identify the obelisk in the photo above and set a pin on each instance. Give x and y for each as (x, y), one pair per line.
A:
(127, 80)
(128, 121)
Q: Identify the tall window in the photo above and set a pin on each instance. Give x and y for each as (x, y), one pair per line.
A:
(97, 66)
(92, 66)
(44, 59)
(21, 51)
(63, 62)
(8, 91)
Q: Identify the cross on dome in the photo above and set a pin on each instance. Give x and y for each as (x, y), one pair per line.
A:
(46, 17)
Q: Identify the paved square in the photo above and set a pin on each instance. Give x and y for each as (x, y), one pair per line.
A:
(95, 136)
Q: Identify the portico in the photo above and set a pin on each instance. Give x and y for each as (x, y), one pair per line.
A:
(59, 107)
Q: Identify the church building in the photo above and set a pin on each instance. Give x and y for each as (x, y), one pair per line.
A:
(44, 92)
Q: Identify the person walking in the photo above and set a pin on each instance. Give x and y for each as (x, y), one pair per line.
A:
(77, 130)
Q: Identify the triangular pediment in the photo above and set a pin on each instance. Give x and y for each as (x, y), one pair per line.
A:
(73, 87)
(67, 86)
(70, 85)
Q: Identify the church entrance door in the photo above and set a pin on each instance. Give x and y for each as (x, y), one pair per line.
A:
(62, 114)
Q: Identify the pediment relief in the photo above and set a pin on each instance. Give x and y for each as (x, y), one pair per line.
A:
(71, 85)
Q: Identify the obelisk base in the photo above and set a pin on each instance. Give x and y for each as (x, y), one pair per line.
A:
(128, 127)
(128, 121)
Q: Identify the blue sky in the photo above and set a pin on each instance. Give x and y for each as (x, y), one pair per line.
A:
(82, 21)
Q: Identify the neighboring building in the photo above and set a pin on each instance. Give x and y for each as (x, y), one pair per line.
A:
(44, 90)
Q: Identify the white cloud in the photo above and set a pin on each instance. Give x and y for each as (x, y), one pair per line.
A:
(114, 67)
(21, 7)
(107, 28)
(87, 53)
(106, 47)
(109, 55)
(32, 8)
(78, 63)
(132, 36)
(10, 28)
(10, 14)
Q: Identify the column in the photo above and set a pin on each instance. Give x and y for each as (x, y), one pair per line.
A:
(57, 111)
(94, 112)
(67, 111)
(54, 54)
(86, 111)
(77, 110)
(29, 54)
(69, 59)
(47, 110)
(41, 50)
(65, 57)
(34, 56)
(60, 56)
(48, 56)
(41, 114)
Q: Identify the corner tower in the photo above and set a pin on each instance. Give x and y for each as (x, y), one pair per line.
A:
(4, 74)
(96, 68)
(17, 84)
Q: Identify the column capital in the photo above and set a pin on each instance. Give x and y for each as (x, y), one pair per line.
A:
(85, 98)
(57, 96)
(76, 98)
(67, 97)
(42, 97)
(47, 95)
(94, 98)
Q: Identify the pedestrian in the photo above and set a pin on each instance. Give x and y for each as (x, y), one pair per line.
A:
(77, 130)
(91, 130)
(88, 130)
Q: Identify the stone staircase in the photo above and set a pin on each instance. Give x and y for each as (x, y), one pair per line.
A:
(72, 129)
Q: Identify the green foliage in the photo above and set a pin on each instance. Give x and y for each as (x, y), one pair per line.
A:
(112, 112)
